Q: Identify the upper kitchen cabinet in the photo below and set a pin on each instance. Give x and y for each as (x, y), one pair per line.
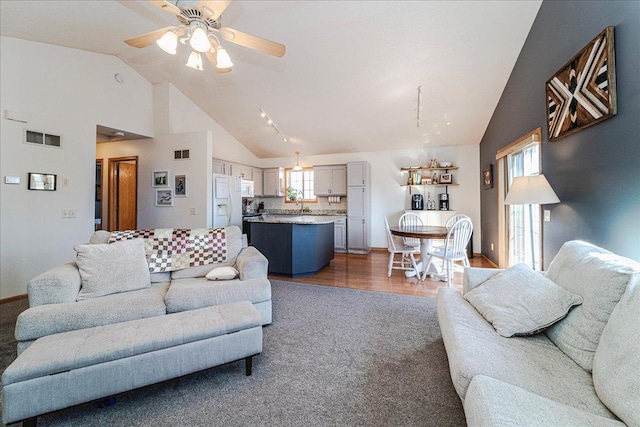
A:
(257, 182)
(357, 173)
(330, 180)
(246, 172)
(221, 167)
(273, 182)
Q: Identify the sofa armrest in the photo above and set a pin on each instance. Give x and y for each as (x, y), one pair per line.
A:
(475, 276)
(251, 264)
(55, 286)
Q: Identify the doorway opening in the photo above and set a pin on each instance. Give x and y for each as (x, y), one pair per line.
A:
(98, 201)
(123, 193)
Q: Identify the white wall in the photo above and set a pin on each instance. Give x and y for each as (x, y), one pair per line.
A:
(389, 198)
(157, 155)
(66, 92)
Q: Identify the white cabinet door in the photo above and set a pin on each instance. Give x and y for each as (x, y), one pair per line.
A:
(356, 202)
(340, 235)
(356, 173)
(321, 180)
(246, 172)
(357, 233)
(257, 182)
(219, 167)
(339, 180)
(273, 183)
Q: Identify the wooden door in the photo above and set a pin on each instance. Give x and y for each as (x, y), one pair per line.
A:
(127, 196)
(123, 194)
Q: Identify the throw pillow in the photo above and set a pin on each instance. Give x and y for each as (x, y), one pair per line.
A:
(223, 273)
(112, 268)
(520, 301)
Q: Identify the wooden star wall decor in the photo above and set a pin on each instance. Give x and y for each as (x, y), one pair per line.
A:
(583, 92)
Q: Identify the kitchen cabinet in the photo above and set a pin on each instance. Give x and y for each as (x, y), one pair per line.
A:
(221, 167)
(358, 207)
(245, 172)
(340, 235)
(330, 180)
(257, 182)
(357, 173)
(273, 182)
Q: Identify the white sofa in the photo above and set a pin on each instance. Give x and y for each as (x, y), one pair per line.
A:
(56, 303)
(583, 370)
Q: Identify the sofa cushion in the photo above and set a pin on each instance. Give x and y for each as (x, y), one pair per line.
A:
(600, 278)
(112, 268)
(533, 362)
(616, 364)
(48, 319)
(222, 273)
(193, 293)
(233, 235)
(490, 402)
(520, 301)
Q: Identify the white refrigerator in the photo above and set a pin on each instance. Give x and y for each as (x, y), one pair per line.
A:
(227, 200)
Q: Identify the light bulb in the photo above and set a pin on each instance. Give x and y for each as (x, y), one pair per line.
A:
(195, 61)
(263, 114)
(168, 42)
(222, 58)
(270, 121)
(200, 41)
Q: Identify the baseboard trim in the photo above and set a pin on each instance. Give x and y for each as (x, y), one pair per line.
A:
(493, 264)
(13, 298)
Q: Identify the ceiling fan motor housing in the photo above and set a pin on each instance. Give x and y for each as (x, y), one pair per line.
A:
(189, 15)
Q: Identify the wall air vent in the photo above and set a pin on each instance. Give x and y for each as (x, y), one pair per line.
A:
(41, 138)
(180, 154)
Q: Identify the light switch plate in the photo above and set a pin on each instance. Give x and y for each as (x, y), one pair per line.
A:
(12, 180)
(547, 216)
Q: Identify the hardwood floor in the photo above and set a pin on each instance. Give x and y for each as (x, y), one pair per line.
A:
(369, 272)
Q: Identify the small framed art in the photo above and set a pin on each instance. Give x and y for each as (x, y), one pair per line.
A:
(487, 177)
(445, 178)
(180, 185)
(160, 179)
(164, 197)
(42, 181)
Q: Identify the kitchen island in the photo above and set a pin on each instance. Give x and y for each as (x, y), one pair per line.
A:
(295, 246)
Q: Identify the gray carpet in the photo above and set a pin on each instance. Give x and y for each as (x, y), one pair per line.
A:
(332, 356)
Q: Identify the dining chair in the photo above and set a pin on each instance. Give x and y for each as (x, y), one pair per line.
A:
(395, 246)
(410, 219)
(454, 249)
(449, 224)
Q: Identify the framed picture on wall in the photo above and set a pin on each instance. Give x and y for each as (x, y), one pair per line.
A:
(160, 179)
(180, 185)
(487, 177)
(445, 178)
(164, 197)
(42, 181)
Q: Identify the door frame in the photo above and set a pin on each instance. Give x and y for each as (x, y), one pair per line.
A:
(112, 202)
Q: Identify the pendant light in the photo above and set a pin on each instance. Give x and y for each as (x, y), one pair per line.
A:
(297, 167)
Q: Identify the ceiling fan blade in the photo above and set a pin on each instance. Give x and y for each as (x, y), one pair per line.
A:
(211, 56)
(253, 42)
(165, 5)
(212, 9)
(147, 39)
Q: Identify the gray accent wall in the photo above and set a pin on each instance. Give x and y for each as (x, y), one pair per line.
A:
(596, 171)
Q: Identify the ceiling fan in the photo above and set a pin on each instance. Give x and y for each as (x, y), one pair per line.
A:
(200, 27)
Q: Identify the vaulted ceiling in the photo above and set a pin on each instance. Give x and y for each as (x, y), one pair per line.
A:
(350, 76)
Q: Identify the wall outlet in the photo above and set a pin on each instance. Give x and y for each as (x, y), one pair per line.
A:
(492, 246)
(547, 216)
(69, 213)
(65, 182)
(192, 211)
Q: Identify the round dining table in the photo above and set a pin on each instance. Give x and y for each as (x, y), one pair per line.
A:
(426, 234)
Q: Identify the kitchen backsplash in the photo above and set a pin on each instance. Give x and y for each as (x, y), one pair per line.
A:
(273, 204)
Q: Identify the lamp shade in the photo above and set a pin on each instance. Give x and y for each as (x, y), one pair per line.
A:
(200, 41)
(222, 58)
(531, 190)
(195, 61)
(168, 42)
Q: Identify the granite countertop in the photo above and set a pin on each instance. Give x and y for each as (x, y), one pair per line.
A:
(310, 212)
(301, 219)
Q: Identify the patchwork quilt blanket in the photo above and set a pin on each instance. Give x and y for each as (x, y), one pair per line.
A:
(170, 249)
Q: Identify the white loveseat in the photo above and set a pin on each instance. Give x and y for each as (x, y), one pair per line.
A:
(583, 370)
(57, 303)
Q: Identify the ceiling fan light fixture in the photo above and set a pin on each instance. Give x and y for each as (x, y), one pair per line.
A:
(199, 40)
(222, 58)
(168, 42)
(195, 61)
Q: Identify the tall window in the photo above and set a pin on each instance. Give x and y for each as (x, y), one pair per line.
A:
(299, 186)
(520, 228)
